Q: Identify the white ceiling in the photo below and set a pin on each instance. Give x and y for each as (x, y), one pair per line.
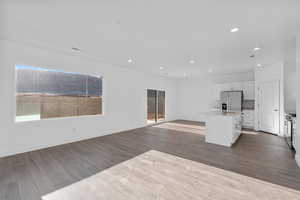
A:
(155, 33)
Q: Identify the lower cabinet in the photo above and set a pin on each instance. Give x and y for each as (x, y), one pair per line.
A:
(229, 124)
(248, 119)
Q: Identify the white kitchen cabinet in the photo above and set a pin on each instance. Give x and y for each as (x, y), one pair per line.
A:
(294, 131)
(248, 89)
(236, 86)
(246, 86)
(251, 90)
(248, 119)
(226, 86)
(226, 132)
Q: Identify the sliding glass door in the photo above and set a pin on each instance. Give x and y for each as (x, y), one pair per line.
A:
(155, 106)
(160, 106)
(151, 106)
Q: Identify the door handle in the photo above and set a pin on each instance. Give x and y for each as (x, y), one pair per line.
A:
(276, 110)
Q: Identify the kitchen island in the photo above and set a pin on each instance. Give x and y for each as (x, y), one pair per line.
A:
(223, 128)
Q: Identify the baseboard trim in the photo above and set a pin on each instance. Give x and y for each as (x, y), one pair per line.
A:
(297, 158)
(73, 140)
(41, 147)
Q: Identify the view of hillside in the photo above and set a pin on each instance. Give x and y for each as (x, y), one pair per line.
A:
(43, 93)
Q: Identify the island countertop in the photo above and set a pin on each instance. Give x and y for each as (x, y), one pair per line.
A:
(220, 113)
(223, 128)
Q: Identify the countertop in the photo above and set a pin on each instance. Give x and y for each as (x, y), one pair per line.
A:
(220, 113)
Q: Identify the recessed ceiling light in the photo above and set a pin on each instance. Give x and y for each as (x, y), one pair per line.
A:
(129, 60)
(161, 68)
(258, 65)
(192, 61)
(233, 30)
(256, 49)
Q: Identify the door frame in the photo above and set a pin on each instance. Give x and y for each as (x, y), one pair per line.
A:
(277, 82)
(156, 107)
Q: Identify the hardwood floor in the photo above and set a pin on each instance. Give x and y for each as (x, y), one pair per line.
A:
(155, 175)
(34, 174)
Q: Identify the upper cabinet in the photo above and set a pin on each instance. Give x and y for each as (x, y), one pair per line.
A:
(248, 89)
(224, 86)
(237, 86)
(246, 86)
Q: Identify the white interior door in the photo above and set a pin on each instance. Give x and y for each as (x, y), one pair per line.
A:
(269, 107)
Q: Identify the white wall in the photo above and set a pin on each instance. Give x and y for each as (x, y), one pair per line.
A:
(234, 77)
(124, 93)
(290, 77)
(198, 96)
(298, 100)
(272, 72)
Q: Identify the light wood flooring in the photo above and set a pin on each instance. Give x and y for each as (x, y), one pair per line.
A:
(155, 175)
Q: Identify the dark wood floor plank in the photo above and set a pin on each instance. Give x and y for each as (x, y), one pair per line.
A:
(34, 174)
(9, 189)
(26, 185)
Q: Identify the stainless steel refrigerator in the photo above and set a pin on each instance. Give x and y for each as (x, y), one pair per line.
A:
(232, 100)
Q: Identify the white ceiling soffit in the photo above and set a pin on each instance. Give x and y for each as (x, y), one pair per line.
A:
(159, 36)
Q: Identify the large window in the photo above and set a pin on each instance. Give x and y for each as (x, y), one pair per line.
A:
(44, 93)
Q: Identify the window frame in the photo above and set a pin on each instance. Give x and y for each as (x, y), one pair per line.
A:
(102, 114)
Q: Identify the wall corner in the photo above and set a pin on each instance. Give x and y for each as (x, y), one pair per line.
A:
(297, 158)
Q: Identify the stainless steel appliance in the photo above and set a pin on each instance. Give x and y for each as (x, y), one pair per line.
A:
(290, 126)
(232, 100)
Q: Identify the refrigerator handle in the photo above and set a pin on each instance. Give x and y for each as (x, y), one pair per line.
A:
(228, 103)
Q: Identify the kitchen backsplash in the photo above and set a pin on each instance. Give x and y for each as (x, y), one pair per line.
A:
(248, 104)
